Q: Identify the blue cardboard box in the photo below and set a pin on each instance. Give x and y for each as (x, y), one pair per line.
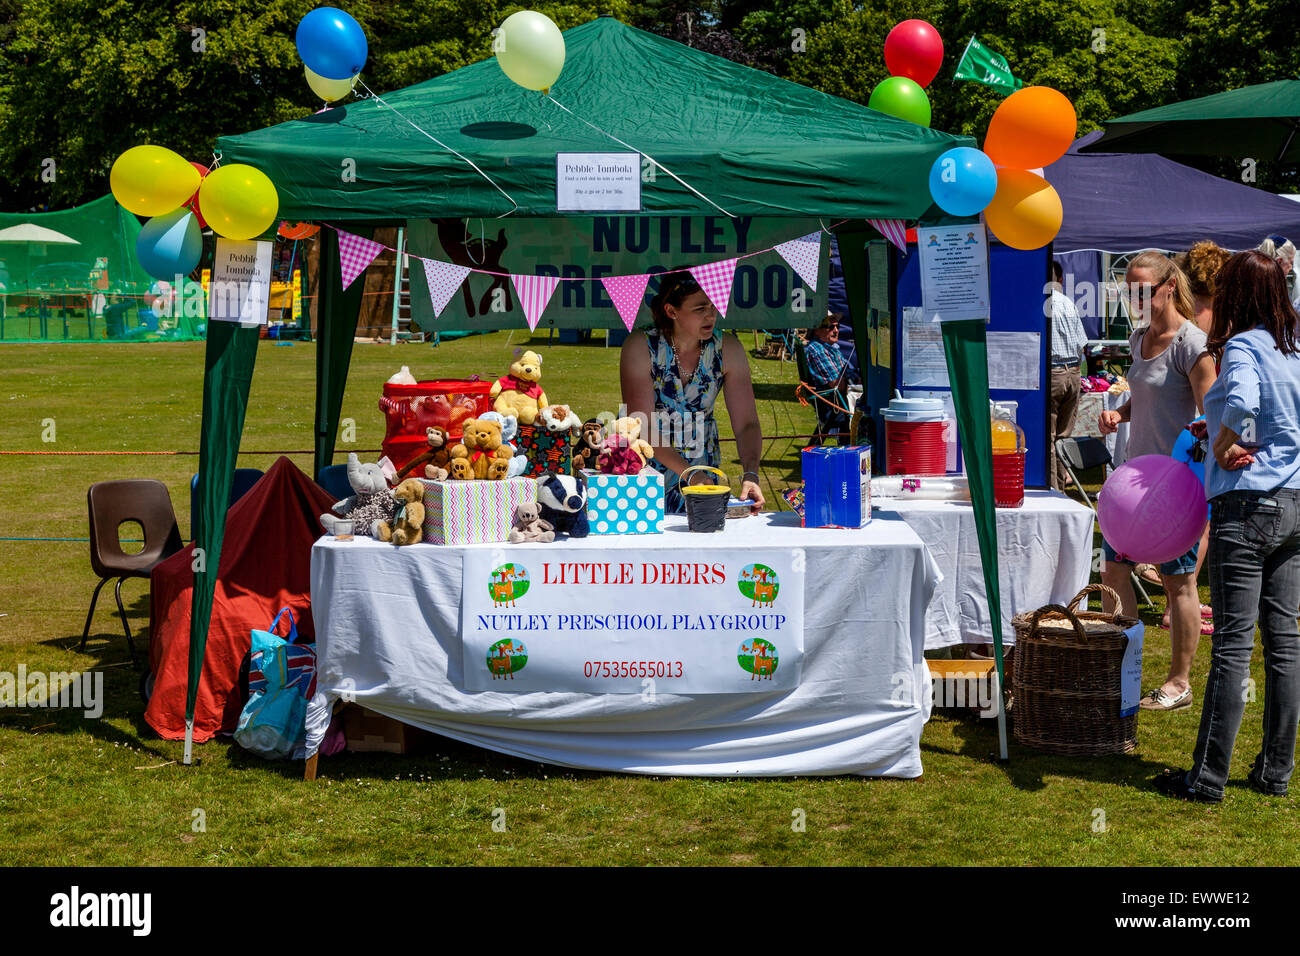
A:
(625, 504)
(837, 487)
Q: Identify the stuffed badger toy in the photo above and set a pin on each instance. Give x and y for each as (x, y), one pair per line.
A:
(562, 500)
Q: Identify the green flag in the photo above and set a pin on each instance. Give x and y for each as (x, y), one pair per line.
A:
(982, 65)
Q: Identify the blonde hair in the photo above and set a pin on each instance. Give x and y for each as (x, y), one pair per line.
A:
(1163, 269)
(1276, 251)
(1202, 263)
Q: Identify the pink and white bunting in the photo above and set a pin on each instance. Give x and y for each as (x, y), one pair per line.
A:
(534, 292)
(444, 278)
(628, 292)
(715, 279)
(804, 256)
(355, 253)
(895, 230)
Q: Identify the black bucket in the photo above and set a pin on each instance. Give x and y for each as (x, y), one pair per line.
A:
(706, 505)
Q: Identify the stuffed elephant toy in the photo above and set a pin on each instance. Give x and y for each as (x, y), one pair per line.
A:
(371, 503)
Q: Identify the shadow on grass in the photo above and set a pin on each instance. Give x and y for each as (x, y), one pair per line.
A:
(1026, 768)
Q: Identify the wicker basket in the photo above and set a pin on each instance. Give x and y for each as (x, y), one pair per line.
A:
(1067, 681)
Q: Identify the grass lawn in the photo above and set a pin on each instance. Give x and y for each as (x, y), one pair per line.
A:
(107, 792)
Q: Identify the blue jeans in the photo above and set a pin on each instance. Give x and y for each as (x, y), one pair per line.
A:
(1254, 576)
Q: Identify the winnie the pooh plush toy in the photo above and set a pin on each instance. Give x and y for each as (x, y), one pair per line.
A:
(480, 448)
(407, 525)
(519, 393)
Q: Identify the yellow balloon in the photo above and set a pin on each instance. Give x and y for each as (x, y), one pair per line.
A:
(327, 89)
(530, 49)
(238, 201)
(1025, 212)
(152, 180)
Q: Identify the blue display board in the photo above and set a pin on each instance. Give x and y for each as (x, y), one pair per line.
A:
(1018, 290)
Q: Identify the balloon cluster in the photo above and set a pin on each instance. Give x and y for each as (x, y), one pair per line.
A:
(530, 49)
(236, 201)
(1032, 128)
(913, 55)
(333, 49)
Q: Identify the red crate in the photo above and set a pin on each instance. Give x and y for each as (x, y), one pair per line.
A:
(410, 409)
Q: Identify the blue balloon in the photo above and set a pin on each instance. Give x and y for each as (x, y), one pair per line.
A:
(331, 43)
(1183, 452)
(963, 181)
(170, 245)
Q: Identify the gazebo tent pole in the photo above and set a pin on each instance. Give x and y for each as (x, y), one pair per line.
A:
(852, 240)
(231, 353)
(965, 346)
(338, 312)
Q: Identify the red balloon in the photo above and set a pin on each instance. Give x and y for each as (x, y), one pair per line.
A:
(914, 49)
(193, 201)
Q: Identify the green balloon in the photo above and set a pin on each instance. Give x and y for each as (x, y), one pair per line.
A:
(902, 97)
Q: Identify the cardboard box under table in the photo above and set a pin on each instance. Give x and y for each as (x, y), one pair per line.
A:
(473, 512)
(625, 504)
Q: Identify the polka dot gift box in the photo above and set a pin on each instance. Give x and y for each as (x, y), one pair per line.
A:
(625, 504)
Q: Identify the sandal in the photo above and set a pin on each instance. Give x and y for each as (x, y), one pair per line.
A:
(1159, 700)
(1207, 612)
(1148, 573)
(1207, 627)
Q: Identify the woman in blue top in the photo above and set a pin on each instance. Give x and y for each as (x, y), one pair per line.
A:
(1253, 482)
(672, 375)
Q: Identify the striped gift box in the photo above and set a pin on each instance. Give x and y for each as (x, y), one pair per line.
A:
(473, 512)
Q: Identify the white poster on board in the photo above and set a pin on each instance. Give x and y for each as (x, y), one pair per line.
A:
(954, 264)
(240, 287)
(596, 622)
(608, 182)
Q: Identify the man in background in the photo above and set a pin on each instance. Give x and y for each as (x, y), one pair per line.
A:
(828, 368)
(1068, 340)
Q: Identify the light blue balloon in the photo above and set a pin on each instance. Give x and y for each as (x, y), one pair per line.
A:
(1183, 452)
(170, 244)
(963, 181)
(331, 43)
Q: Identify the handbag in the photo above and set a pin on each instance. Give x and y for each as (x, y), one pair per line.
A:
(281, 679)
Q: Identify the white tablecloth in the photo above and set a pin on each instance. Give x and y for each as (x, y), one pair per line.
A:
(1044, 557)
(387, 631)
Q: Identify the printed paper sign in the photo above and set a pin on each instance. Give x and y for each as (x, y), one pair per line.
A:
(597, 622)
(240, 288)
(598, 181)
(1131, 672)
(954, 272)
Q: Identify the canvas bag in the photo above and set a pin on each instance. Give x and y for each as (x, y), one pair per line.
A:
(281, 679)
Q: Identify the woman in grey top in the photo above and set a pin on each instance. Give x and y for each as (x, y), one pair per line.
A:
(1170, 374)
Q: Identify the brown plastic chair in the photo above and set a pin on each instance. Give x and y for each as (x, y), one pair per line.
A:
(111, 503)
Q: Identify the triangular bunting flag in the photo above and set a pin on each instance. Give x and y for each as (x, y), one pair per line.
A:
(534, 292)
(628, 292)
(444, 278)
(804, 256)
(715, 279)
(355, 253)
(892, 229)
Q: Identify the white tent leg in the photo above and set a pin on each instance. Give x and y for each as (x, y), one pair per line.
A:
(189, 742)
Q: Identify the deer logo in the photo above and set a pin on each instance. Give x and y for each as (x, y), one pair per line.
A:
(473, 253)
(759, 657)
(762, 582)
(511, 582)
(506, 657)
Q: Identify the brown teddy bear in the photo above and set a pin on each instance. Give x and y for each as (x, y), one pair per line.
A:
(630, 428)
(435, 459)
(480, 446)
(587, 450)
(519, 393)
(408, 524)
(529, 525)
(459, 469)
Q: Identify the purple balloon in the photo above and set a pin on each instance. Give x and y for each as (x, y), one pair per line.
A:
(1151, 509)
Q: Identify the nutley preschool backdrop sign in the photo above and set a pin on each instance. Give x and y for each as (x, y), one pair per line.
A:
(595, 622)
(767, 292)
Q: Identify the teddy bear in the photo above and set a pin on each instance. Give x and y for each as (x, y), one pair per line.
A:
(509, 430)
(587, 448)
(529, 525)
(617, 457)
(629, 428)
(434, 459)
(562, 501)
(481, 447)
(459, 469)
(371, 502)
(407, 525)
(519, 393)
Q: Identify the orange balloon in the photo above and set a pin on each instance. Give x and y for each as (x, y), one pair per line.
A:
(1032, 127)
(297, 230)
(1025, 212)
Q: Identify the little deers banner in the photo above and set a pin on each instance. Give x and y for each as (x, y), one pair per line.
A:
(596, 621)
